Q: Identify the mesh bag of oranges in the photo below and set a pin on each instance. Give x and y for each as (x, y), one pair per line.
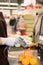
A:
(27, 58)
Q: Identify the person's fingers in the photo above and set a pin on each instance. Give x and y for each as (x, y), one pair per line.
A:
(0, 41)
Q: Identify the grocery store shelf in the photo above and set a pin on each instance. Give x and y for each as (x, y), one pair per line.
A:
(4, 3)
(9, 8)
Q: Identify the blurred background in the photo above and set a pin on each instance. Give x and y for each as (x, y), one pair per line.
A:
(17, 7)
(14, 8)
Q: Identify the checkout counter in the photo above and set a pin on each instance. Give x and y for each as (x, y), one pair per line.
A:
(13, 52)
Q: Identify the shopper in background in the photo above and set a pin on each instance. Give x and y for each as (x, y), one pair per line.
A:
(3, 48)
(20, 18)
(13, 23)
(36, 27)
(21, 25)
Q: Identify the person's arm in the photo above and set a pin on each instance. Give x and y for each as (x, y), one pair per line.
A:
(7, 41)
(12, 41)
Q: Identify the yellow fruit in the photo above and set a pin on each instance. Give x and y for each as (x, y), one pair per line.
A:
(30, 55)
(25, 61)
(33, 61)
(20, 57)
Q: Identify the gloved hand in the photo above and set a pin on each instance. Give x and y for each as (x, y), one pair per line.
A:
(19, 41)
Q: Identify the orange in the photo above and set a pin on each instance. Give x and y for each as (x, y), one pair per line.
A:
(33, 61)
(25, 61)
(30, 56)
(20, 57)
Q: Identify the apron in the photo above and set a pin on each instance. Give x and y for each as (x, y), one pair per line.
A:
(3, 55)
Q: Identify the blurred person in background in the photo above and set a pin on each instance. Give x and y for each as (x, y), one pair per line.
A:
(3, 48)
(21, 25)
(13, 23)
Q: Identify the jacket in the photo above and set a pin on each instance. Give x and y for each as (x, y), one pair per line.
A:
(36, 27)
(3, 48)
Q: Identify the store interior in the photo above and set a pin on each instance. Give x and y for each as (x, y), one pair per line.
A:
(24, 21)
